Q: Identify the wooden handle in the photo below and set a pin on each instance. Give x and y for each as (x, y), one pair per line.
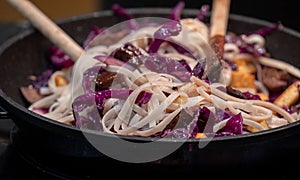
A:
(219, 17)
(48, 28)
(218, 26)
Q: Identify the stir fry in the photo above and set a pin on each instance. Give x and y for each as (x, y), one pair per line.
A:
(165, 80)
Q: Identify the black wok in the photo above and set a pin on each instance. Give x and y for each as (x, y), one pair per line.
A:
(60, 146)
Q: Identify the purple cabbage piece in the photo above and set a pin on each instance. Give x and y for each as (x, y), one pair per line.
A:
(187, 132)
(233, 126)
(185, 65)
(113, 61)
(98, 98)
(121, 12)
(267, 30)
(161, 64)
(251, 96)
(95, 100)
(42, 80)
(171, 28)
(90, 121)
(94, 33)
(176, 11)
(198, 70)
(204, 10)
(89, 76)
(59, 58)
(245, 47)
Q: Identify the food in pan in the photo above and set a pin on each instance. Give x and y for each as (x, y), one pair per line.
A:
(165, 81)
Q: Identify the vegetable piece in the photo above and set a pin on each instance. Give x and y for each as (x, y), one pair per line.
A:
(161, 64)
(204, 10)
(121, 12)
(113, 61)
(176, 11)
(171, 28)
(267, 30)
(42, 80)
(94, 33)
(289, 97)
(98, 98)
(188, 130)
(59, 58)
(233, 126)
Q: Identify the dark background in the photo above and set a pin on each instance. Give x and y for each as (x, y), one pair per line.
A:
(285, 11)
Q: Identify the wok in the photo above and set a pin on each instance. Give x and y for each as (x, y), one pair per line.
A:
(60, 145)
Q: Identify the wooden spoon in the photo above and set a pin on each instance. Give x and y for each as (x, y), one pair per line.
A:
(218, 25)
(48, 28)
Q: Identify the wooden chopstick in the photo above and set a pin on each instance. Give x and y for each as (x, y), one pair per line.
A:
(48, 28)
(218, 25)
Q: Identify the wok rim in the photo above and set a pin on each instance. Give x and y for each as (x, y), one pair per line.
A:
(5, 99)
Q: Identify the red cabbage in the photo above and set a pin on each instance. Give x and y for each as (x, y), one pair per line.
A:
(59, 58)
(245, 47)
(251, 96)
(187, 132)
(198, 70)
(176, 11)
(97, 98)
(121, 12)
(204, 10)
(42, 80)
(161, 64)
(113, 61)
(88, 77)
(233, 126)
(94, 32)
(168, 29)
(267, 30)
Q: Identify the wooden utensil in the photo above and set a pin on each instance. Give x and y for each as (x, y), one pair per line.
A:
(218, 25)
(48, 28)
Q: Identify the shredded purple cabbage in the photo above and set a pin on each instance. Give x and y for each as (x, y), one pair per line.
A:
(171, 28)
(113, 61)
(121, 12)
(88, 77)
(98, 98)
(245, 47)
(267, 30)
(176, 11)
(162, 64)
(233, 126)
(59, 58)
(42, 80)
(187, 132)
(204, 10)
(251, 96)
(94, 32)
(198, 70)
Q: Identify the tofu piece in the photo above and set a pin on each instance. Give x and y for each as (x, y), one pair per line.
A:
(200, 135)
(245, 65)
(263, 96)
(242, 80)
(289, 97)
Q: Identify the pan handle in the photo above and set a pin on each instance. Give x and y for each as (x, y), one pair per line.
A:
(3, 114)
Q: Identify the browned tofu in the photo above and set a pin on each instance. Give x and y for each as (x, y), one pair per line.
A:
(289, 97)
(242, 80)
